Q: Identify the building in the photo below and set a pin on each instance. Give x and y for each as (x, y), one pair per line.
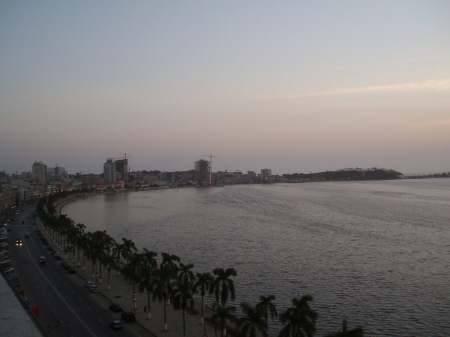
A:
(109, 170)
(39, 173)
(56, 173)
(122, 169)
(265, 175)
(202, 172)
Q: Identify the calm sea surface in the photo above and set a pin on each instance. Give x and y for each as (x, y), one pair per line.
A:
(375, 253)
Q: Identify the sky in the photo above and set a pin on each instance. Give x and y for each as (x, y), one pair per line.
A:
(294, 86)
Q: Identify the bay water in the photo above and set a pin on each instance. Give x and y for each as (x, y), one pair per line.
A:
(375, 253)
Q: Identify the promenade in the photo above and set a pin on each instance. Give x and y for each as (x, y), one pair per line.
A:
(121, 293)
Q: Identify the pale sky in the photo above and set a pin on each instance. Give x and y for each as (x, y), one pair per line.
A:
(295, 86)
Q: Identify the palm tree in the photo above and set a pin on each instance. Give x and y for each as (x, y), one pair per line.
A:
(150, 258)
(162, 286)
(356, 332)
(253, 322)
(300, 319)
(182, 297)
(109, 262)
(221, 316)
(132, 270)
(148, 268)
(223, 285)
(185, 274)
(169, 262)
(127, 248)
(100, 244)
(107, 243)
(268, 307)
(65, 224)
(89, 250)
(83, 243)
(72, 237)
(146, 281)
(203, 284)
(80, 228)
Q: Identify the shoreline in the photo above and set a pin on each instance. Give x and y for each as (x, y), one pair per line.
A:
(121, 293)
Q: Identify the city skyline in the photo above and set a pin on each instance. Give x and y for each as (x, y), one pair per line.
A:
(295, 87)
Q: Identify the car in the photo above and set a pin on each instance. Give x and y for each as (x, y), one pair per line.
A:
(116, 324)
(18, 242)
(115, 307)
(71, 270)
(26, 300)
(56, 256)
(128, 316)
(27, 235)
(42, 260)
(93, 288)
(88, 284)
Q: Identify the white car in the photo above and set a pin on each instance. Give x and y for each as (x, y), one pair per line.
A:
(93, 288)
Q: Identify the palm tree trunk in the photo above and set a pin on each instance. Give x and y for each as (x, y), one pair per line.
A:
(149, 314)
(184, 322)
(203, 317)
(109, 278)
(165, 315)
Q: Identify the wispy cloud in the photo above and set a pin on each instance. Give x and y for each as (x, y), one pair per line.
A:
(433, 85)
(436, 123)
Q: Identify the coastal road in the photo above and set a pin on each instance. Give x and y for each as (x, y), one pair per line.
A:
(66, 308)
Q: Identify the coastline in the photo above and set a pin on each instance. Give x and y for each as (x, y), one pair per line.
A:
(121, 293)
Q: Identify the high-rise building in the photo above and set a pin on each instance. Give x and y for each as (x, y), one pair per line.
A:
(55, 173)
(265, 174)
(202, 172)
(122, 169)
(39, 172)
(109, 170)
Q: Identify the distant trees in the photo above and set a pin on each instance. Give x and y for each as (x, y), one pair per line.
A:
(348, 174)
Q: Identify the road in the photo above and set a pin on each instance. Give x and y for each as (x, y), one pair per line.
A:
(66, 307)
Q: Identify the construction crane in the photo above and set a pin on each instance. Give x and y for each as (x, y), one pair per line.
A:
(209, 166)
(125, 155)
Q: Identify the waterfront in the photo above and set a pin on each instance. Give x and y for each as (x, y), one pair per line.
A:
(376, 253)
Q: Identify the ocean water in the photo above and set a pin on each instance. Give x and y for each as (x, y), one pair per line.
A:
(374, 253)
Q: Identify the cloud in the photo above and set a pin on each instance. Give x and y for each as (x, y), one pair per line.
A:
(433, 85)
(436, 123)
